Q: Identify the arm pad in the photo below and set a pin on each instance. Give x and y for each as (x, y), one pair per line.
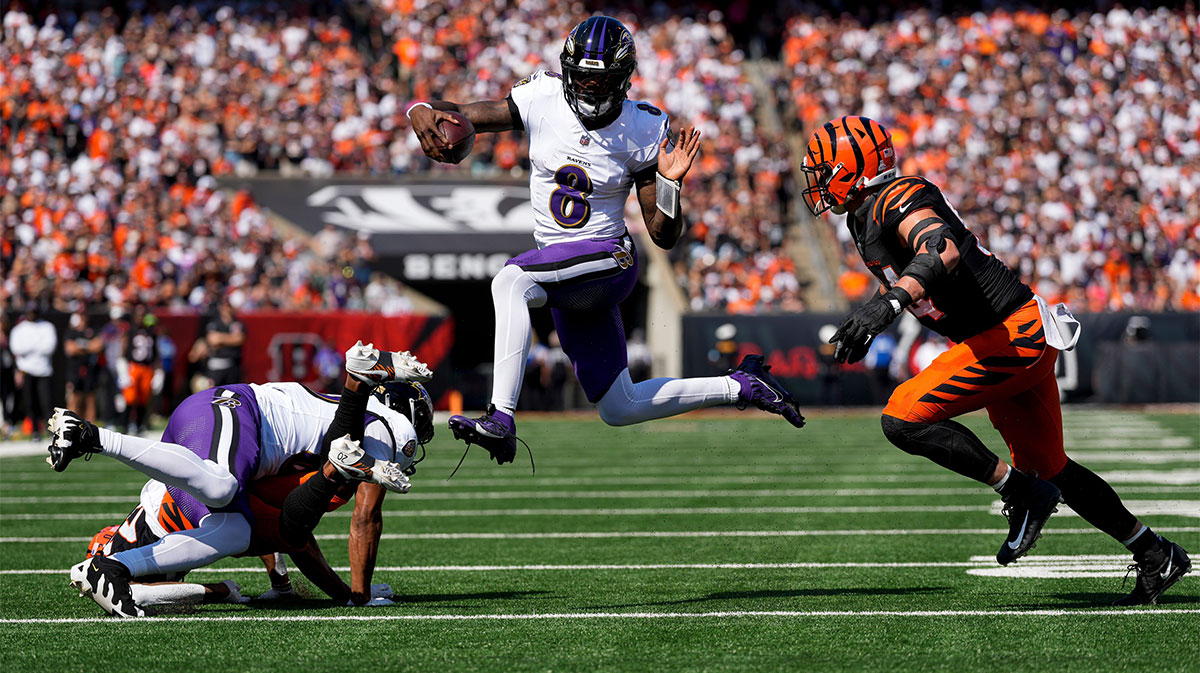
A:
(926, 267)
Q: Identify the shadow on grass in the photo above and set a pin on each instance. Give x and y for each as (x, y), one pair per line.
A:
(479, 596)
(787, 593)
(1098, 600)
(311, 604)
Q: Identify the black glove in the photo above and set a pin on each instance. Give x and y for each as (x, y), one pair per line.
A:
(854, 335)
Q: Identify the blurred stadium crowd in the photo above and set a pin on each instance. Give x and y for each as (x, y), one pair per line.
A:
(1070, 142)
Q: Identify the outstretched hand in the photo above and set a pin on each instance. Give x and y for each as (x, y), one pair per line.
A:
(425, 124)
(675, 163)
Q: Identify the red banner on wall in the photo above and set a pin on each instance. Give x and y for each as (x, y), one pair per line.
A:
(282, 346)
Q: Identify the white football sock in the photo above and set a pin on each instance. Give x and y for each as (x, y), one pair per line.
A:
(1136, 535)
(219, 535)
(172, 464)
(513, 294)
(627, 402)
(172, 593)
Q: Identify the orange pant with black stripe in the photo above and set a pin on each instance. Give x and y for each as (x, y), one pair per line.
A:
(141, 385)
(1008, 370)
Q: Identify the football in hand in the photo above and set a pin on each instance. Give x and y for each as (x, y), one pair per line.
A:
(461, 137)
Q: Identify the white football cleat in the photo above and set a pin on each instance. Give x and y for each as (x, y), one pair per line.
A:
(371, 365)
(352, 462)
(78, 579)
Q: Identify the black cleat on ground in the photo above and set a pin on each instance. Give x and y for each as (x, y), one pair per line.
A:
(761, 389)
(70, 437)
(1027, 512)
(1160, 567)
(107, 582)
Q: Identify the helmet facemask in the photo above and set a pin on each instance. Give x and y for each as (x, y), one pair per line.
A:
(413, 401)
(598, 61)
(595, 94)
(817, 195)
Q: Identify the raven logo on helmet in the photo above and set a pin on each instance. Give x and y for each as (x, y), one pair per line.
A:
(846, 156)
(598, 61)
(413, 401)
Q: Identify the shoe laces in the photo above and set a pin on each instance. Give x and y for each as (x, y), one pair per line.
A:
(1128, 571)
(532, 467)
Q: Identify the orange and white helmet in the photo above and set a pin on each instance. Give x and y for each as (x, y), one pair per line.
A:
(846, 156)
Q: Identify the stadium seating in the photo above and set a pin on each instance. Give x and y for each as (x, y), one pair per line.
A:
(1069, 142)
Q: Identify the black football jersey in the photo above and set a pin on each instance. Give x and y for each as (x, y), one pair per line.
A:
(978, 294)
(143, 346)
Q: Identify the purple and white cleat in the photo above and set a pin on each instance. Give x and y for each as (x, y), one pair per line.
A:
(764, 391)
(495, 431)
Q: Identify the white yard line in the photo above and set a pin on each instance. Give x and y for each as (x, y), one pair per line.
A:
(637, 495)
(1189, 508)
(724, 614)
(583, 511)
(1178, 477)
(587, 567)
(634, 534)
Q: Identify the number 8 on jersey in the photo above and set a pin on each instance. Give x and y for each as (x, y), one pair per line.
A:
(568, 203)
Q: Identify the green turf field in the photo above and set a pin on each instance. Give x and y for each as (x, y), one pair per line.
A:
(710, 543)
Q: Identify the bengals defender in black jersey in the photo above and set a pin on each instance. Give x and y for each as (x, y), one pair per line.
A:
(930, 264)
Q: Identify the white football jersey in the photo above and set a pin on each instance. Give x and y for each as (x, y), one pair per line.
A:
(294, 420)
(579, 179)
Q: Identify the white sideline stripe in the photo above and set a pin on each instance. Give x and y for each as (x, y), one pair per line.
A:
(724, 614)
(773, 461)
(1135, 456)
(635, 495)
(134, 483)
(589, 566)
(1177, 477)
(595, 511)
(1127, 442)
(1189, 508)
(608, 535)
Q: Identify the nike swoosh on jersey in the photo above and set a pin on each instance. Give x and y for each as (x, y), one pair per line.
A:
(1017, 543)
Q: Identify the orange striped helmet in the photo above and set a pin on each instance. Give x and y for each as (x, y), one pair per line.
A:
(844, 157)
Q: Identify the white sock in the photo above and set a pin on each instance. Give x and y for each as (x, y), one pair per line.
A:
(171, 593)
(172, 464)
(627, 402)
(513, 294)
(1136, 535)
(1003, 480)
(219, 535)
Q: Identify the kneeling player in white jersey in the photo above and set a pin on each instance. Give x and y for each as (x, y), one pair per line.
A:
(218, 441)
(588, 145)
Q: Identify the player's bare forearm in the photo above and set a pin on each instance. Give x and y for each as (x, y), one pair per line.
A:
(312, 564)
(487, 116)
(664, 231)
(366, 525)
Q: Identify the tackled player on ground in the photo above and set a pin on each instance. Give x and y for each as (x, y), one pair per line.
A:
(219, 441)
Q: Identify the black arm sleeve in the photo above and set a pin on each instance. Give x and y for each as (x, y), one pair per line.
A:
(518, 125)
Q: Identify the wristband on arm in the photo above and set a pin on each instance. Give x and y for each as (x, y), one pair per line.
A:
(408, 112)
(666, 195)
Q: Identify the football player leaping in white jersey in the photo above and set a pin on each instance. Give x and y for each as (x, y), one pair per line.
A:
(588, 145)
(218, 441)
